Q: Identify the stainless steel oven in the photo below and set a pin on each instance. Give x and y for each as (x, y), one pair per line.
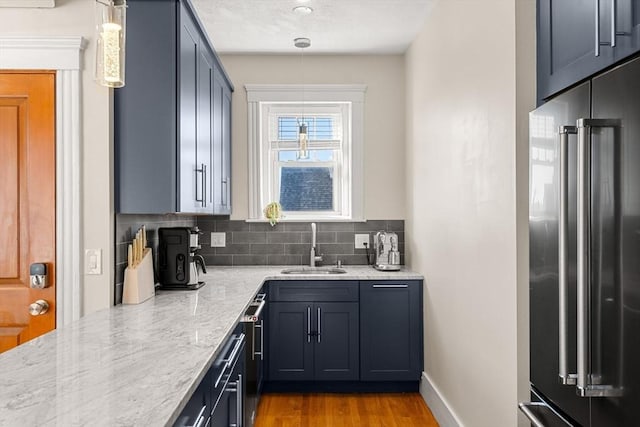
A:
(254, 330)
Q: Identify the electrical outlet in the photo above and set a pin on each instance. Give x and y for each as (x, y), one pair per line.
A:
(93, 261)
(360, 240)
(218, 240)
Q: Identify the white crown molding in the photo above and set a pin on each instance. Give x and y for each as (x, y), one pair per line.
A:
(61, 54)
(28, 3)
(29, 53)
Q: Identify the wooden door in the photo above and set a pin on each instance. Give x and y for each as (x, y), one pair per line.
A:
(27, 202)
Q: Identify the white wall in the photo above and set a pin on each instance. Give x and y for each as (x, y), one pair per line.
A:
(465, 220)
(76, 18)
(384, 132)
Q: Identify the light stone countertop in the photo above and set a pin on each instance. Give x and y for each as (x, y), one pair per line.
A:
(136, 365)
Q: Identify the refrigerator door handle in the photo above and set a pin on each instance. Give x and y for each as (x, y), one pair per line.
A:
(563, 258)
(532, 409)
(526, 409)
(585, 386)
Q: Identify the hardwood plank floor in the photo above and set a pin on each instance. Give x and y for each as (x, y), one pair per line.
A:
(344, 410)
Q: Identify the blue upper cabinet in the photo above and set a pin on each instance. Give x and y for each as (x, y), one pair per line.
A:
(575, 39)
(165, 116)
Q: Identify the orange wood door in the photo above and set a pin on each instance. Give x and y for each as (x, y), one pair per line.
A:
(27, 202)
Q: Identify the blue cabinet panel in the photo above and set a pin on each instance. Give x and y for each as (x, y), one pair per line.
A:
(391, 330)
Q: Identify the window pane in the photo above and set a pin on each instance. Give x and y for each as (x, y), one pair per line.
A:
(306, 189)
(318, 128)
(314, 156)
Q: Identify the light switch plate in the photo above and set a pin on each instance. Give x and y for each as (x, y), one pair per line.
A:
(218, 240)
(93, 261)
(360, 239)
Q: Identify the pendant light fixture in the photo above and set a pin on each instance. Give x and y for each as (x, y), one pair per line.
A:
(303, 139)
(110, 42)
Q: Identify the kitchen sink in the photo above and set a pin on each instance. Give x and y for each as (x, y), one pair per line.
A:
(314, 270)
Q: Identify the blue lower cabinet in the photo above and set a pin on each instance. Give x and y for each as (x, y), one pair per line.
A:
(313, 341)
(391, 330)
(228, 383)
(196, 412)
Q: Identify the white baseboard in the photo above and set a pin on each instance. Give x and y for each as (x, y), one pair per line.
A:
(438, 404)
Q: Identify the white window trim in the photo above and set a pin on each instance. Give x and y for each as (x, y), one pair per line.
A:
(353, 93)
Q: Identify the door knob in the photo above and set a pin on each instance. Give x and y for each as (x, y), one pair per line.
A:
(39, 307)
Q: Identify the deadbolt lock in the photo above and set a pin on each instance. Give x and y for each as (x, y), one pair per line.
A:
(38, 274)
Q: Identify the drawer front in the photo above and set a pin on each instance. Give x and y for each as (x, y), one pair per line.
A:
(314, 290)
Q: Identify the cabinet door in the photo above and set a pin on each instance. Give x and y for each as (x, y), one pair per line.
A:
(336, 353)
(222, 145)
(290, 341)
(226, 149)
(196, 412)
(221, 411)
(204, 193)
(566, 45)
(627, 28)
(190, 178)
(391, 330)
(145, 112)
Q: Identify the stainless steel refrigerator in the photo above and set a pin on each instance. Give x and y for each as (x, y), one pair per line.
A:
(584, 225)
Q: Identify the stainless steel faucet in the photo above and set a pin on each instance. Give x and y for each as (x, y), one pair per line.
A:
(313, 258)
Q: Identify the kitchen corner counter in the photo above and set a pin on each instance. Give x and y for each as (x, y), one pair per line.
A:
(136, 365)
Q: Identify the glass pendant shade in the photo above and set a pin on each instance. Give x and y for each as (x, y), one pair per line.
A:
(303, 142)
(110, 46)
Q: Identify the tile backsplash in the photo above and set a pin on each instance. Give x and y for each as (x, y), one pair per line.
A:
(289, 243)
(255, 243)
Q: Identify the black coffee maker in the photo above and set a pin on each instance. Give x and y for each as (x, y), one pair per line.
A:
(177, 259)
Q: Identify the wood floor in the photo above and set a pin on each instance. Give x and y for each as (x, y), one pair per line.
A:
(344, 410)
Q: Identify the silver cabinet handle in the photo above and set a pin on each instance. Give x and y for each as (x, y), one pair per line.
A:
(261, 340)
(585, 387)
(563, 257)
(200, 418)
(225, 193)
(528, 410)
(201, 170)
(236, 387)
(308, 324)
(228, 362)
(204, 185)
(319, 325)
(597, 28)
(239, 402)
(390, 286)
(261, 352)
(613, 23)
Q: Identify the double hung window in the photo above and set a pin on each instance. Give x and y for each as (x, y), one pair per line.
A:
(319, 180)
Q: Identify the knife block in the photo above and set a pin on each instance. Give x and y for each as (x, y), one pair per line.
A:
(138, 280)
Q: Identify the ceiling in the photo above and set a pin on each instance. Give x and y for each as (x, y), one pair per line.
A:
(335, 26)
